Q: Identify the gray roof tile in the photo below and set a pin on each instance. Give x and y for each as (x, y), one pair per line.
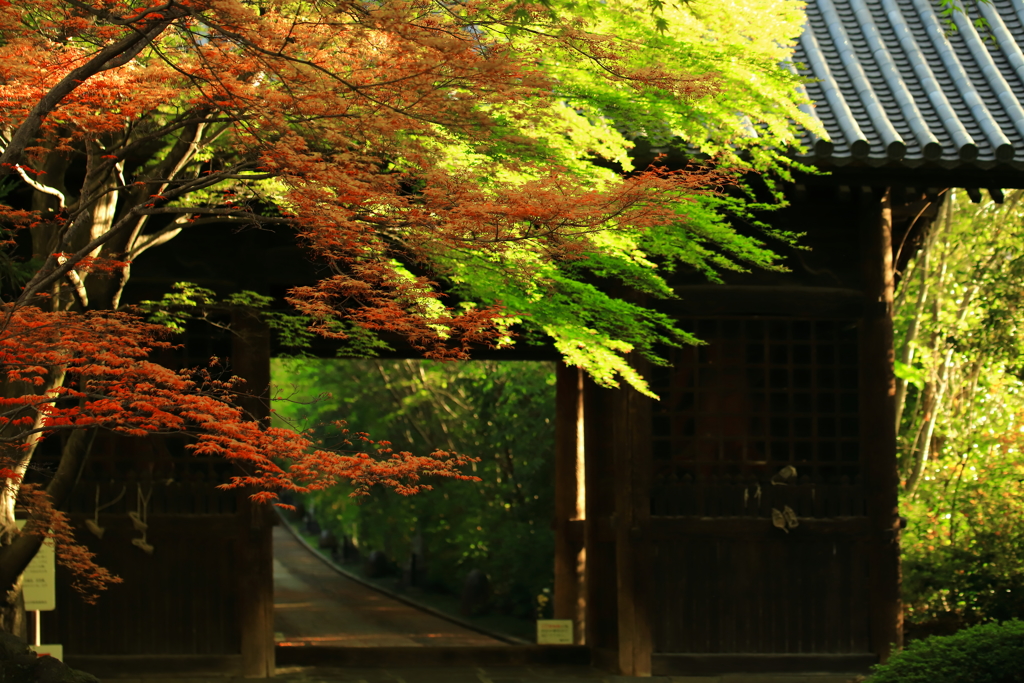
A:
(893, 87)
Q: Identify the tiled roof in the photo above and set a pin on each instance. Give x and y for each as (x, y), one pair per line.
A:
(895, 87)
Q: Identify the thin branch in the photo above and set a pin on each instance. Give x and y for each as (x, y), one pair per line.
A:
(45, 189)
(52, 271)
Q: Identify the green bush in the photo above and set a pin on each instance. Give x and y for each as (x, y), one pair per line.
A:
(979, 582)
(987, 653)
(963, 552)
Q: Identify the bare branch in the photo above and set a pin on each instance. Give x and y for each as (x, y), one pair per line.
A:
(52, 271)
(45, 189)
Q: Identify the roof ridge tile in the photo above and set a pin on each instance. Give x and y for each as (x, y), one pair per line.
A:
(895, 146)
(859, 145)
(930, 145)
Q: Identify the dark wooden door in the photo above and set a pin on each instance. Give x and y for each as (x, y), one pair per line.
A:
(759, 531)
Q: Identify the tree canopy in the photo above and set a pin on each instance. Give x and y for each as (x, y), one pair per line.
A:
(418, 149)
(473, 149)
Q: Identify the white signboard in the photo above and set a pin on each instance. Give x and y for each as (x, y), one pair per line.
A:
(554, 631)
(38, 583)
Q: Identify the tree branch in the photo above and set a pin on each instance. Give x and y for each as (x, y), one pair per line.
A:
(52, 271)
(16, 556)
(110, 57)
(45, 189)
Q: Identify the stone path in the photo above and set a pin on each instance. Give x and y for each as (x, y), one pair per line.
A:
(315, 605)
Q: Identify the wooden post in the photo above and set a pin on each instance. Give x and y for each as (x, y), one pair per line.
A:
(633, 552)
(250, 360)
(570, 501)
(878, 431)
(600, 583)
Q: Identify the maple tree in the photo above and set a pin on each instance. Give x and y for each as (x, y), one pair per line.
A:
(416, 148)
(78, 373)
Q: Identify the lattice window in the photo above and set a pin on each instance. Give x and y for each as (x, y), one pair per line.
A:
(760, 395)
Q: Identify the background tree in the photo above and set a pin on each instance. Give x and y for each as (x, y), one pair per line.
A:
(498, 412)
(959, 318)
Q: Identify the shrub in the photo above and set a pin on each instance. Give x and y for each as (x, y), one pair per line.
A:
(987, 653)
(980, 582)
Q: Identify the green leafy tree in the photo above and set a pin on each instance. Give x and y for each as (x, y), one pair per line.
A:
(959, 317)
(498, 412)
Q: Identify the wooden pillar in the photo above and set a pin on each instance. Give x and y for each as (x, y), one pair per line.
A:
(250, 360)
(616, 529)
(570, 501)
(878, 391)
(631, 421)
(600, 583)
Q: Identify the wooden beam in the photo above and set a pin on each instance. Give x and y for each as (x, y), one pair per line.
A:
(878, 430)
(601, 631)
(622, 527)
(570, 500)
(671, 528)
(762, 300)
(632, 463)
(250, 360)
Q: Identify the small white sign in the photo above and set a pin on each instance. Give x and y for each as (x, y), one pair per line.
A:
(39, 582)
(55, 651)
(554, 632)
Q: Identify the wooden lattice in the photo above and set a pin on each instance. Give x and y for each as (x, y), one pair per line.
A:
(759, 396)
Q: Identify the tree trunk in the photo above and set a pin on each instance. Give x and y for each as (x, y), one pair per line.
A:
(13, 618)
(907, 349)
(12, 602)
(942, 384)
(16, 548)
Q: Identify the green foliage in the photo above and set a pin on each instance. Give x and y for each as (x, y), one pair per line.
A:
(988, 653)
(976, 583)
(956, 12)
(177, 307)
(967, 568)
(742, 116)
(188, 301)
(739, 111)
(959, 316)
(498, 412)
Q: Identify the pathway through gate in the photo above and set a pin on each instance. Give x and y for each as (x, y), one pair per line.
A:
(315, 605)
